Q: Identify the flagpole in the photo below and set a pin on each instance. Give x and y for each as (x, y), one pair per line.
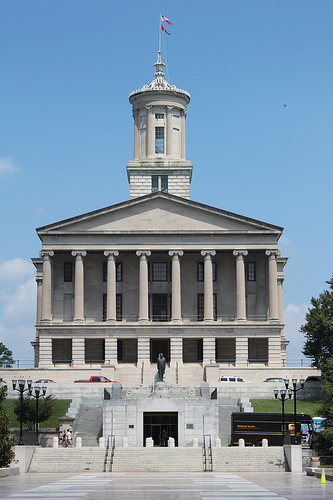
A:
(159, 32)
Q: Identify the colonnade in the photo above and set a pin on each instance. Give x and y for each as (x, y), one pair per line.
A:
(274, 285)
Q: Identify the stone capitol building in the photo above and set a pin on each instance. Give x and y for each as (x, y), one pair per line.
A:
(159, 273)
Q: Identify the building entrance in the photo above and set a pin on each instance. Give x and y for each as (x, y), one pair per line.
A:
(154, 423)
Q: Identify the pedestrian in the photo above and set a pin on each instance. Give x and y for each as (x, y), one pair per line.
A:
(164, 437)
(69, 437)
(64, 439)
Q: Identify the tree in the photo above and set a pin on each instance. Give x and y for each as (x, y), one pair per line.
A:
(29, 417)
(6, 356)
(6, 452)
(318, 329)
(324, 440)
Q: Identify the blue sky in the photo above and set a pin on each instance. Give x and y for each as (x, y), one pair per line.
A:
(258, 128)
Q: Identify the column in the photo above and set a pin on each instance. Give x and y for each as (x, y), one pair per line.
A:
(208, 285)
(143, 285)
(39, 282)
(136, 133)
(208, 350)
(47, 285)
(45, 353)
(242, 352)
(240, 284)
(176, 308)
(150, 132)
(272, 285)
(169, 130)
(111, 357)
(280, 281)
(182, 130)
(78, 352)
(79, 285)
(111, 313)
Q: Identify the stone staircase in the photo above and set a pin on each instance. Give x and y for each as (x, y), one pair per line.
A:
(67, 460)
(178, 459)
(89, 425)
(252, 459)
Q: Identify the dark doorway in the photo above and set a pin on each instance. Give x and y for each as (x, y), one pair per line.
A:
(155, 422)
(157, 346)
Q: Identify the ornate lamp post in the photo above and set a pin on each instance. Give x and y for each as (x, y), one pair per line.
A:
(37, 394)
(283, 394)
(295, 390)
(21, 389)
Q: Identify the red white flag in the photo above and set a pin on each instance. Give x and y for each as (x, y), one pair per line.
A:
(163, 29)
(165, 20)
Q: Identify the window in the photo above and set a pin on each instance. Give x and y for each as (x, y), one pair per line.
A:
(68, 272)
(160, 307)
(119, 306)
(200, 271)
(159, 271)
(159, 183)
(159, 140)
(201, 306)
(154, 183)
(159, 116)
(251, 271)
(119, 271)
(164, 183)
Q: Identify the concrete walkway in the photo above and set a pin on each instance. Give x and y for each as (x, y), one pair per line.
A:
(167, 486)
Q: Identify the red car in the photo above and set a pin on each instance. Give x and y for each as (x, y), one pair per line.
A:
(94, 378)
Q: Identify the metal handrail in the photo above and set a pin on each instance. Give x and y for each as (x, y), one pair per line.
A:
(106, 453)
(113, 445)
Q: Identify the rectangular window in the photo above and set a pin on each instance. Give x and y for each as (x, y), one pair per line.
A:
(160, 307)
(159, 271)
(159, 116)
(201, 306)
(200, 271)
(154, 183)
(159, 140)
(119, 306)
(251, 271)
(119, 271)
(68, 272)
(164, 183)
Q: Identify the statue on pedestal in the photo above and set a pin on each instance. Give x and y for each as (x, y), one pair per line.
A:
(160, 367)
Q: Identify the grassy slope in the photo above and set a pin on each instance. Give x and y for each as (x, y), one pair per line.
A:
(61, 408)
(309, 406)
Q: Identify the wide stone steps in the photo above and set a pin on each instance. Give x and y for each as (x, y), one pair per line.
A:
(89, 422)
(68, 459)
(157, 460)
(230, 459)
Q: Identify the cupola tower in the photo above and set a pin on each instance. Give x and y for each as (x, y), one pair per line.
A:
(159, 164)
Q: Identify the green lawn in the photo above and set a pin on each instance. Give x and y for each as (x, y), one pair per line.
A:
(61, 407)
(309, 406)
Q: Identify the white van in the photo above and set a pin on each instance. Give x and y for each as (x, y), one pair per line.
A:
(231, 379)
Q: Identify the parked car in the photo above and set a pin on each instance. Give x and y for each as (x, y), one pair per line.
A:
(231, 379)
(44, 381)
(94, 378)
(313, 378)
(275, 379)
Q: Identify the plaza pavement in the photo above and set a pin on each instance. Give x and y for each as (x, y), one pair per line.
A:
(168, 486)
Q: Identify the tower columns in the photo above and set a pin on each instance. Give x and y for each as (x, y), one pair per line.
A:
(150, 131)
(176, 286)
(240, 284)
(143, 285)
(111, 313)
(272, 284)
(169, 130)
(182, 129)
(208, 285)
(47, 285)
(79, 285)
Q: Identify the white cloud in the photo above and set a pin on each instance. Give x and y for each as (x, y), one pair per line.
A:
(294, 318)
(16, 270)
(7, 165)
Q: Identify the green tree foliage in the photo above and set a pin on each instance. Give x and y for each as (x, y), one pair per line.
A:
(318, 329)
(6, 452)
(29, 417)
(6, 356)
(324, 440)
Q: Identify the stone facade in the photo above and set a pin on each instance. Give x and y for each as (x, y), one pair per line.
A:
(160, 273)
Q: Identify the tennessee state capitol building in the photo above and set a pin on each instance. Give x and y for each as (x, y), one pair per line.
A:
(159, 272)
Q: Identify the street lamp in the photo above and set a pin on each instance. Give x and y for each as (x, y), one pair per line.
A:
(295, 390)
(21, 390)
(37, 395)
(283, 394)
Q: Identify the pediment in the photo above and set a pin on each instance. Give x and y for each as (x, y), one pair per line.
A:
(158, 212)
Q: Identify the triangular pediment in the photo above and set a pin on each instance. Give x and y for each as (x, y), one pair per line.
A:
(158, 212)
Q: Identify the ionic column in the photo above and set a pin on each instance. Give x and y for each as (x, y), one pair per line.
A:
(111, 314)
(150, 132)
(143, 284)
(79, 285)
(169, 130)
(47, 285)
(176, 308)
(39, 282)
(280, 281)
(272, 284)
(208, 285)
(136, 133)
(182, 129)
(240, 284)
